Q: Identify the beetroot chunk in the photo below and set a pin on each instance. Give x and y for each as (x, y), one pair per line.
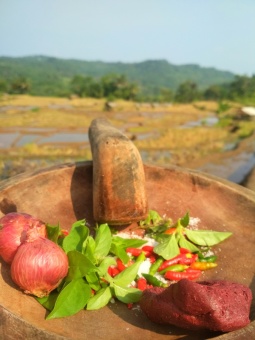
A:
(215, 305)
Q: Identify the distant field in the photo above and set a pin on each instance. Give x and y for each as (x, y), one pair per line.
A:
(40, 130)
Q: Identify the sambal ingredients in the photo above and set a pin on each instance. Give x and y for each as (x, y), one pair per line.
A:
(215, 305)
(13, 231)
(39, 266)
(121, 265)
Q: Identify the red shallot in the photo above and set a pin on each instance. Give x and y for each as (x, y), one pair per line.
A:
(39, 265)
(13, 230)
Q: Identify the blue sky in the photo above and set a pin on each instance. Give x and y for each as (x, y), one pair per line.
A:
(210, 33)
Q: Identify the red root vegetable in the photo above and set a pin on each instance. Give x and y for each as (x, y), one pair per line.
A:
(39, 265)
(13, 231)
(215, 305)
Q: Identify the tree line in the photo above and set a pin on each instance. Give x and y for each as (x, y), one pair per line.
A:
(117, 86)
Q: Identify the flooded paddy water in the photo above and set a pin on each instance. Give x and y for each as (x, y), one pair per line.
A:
(39, 134)
(19, 137)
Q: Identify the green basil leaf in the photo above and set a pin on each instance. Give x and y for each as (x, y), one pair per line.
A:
(49, 301)
(206, 237)
(108, 278)
(93, 281)
(184, 243)
(76, 238)
(127, 294)
(161, 237)
(103, 240)
(79, 265)
(100, 299)
(71, 299)
(125, 277)
(127, 242)
(120, 253)
(168, 248)
(89, 250)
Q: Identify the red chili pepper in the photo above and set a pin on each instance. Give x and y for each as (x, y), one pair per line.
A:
(141, 283)
(148, 248)
(190, 274)
(193, 273)
(113, 271)
(169, 263)
(134, 251)
(152, 259)
(184, 250)
(130, 305)
(109, 271)
(120, 265)
(195, 257)
(187, 258)
(137, 251)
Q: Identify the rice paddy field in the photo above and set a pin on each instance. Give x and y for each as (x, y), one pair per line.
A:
(36, 132)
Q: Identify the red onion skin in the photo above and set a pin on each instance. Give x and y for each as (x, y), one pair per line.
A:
(39, 266)
(13, 230)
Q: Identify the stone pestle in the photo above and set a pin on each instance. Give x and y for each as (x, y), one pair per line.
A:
(119, 195)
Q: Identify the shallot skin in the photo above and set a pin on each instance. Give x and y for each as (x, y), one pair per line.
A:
(39, 266)
(13, 230)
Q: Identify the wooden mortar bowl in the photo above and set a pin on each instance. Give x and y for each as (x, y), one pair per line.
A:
(64, 194)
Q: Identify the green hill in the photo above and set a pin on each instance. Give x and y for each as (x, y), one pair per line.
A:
(51, 76)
